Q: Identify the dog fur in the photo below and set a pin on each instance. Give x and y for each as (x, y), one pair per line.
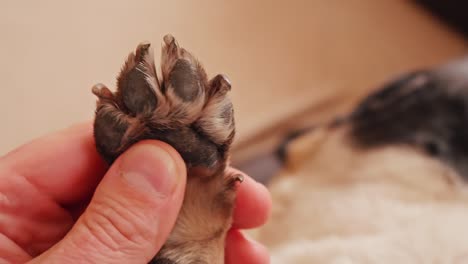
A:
(385, 185)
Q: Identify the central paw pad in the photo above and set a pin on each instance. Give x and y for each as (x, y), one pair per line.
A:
(191, 113)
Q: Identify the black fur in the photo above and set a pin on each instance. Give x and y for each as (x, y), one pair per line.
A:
(423, 109)
(195, 149)
(162, 261)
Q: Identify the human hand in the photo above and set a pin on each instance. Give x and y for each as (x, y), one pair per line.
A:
(58, 204)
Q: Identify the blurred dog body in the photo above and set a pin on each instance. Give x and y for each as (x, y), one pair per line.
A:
(385, 185)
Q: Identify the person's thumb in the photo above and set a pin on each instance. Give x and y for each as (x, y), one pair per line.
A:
(132, 211)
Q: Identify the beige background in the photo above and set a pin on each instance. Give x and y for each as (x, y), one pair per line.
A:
(282, 56)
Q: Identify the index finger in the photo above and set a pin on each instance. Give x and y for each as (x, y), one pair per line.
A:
(253, 204)
(65, 164)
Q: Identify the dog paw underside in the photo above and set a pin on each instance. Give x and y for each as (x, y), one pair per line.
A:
(194, 115)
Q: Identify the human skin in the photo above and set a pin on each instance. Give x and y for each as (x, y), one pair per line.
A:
(47, 184)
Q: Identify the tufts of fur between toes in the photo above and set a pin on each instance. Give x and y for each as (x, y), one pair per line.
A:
(194, 115)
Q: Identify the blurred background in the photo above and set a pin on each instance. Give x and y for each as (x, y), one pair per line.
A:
(290, 62)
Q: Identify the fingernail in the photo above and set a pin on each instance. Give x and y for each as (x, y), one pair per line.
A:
(148, 166)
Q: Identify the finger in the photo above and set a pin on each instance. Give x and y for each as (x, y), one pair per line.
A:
(64, 164)
(132, 212)
(239, 249)
(253, 205)
(10, 252)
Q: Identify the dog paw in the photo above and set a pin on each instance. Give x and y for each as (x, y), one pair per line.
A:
(193, 114)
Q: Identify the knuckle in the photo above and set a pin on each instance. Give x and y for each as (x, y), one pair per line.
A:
(118, 226)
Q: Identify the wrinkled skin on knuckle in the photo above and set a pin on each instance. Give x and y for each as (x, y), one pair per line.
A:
(114, 224)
